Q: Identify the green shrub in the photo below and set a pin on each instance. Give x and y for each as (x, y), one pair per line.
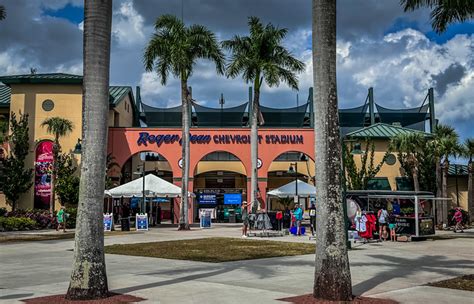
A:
(16, 223)
(71, 219)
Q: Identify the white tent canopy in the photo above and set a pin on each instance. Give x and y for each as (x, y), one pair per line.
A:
(154, 186)
(304, 189)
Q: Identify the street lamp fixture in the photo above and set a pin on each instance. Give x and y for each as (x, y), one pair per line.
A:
(78, 147)
(141, 171)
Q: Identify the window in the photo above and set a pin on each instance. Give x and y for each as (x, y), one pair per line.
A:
(220, 156)
(378, 183)
(291, 156)
(404, 184)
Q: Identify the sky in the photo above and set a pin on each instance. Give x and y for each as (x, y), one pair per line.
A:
(378, 45)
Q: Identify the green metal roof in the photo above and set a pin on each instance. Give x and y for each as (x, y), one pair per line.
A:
(5, 93)
(118, 93)
(50, 78)
(459, 170)
(381, 130)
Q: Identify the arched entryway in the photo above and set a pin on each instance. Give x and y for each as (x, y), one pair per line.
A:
(286, 168)
(220, 183)
(163, 209)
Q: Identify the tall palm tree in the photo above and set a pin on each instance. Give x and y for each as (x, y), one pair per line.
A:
(409, 146)
(175, 48)
(332, 276)
(3, 12)
(89, 278)
(441, 131)
(443, 12)
(468, 152)
(261, 57)
(449, 147)
(59, 127)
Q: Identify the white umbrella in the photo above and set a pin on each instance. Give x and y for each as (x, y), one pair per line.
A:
(154, 186)
(304, 189)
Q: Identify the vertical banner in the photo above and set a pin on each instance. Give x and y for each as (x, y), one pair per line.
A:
(43, 171)
(108, 221)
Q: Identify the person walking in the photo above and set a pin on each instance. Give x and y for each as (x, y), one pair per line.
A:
(245, 219)
(312, 218)
(298, 214)
(61, 217)
(458, 219)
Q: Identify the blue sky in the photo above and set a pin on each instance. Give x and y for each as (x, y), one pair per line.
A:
(379, 46)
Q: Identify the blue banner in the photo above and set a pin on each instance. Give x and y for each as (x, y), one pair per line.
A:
(108, 222)
(232, 199)
(207, 199)
(141, 221)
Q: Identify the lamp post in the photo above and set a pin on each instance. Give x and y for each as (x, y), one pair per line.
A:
(355, 151)
(142, 173)
(295, 171)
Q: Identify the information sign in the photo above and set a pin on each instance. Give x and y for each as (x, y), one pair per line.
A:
(232, 199)
(205, 219)
(141, 223)
(108, 221)
(207, 199)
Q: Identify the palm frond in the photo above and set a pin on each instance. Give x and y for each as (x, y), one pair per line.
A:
(3, 12)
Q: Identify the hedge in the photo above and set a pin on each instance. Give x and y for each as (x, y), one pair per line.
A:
(16, 223)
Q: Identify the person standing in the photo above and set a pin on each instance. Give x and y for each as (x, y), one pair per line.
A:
(279, 217)
(245, 219)
(61, 217)
(382, 216)
(458, 219)
(312, 218)
(298, 214)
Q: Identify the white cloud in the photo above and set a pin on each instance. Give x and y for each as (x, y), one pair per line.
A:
(128, 25)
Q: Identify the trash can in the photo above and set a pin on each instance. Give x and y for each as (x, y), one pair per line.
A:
(125, 223)
(231, 216)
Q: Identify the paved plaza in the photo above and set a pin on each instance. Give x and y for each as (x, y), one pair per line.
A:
(388, 270)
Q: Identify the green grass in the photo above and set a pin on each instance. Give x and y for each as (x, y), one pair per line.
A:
(213, 250)
(462, 283)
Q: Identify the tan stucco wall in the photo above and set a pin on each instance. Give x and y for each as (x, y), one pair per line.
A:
(462, 187)
(389, 171)
(124, 111)
(28, 99)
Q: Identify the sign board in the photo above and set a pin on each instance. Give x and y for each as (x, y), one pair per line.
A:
(207, 199)
(406, 225)
(211, 210)
(141, 223)
(205, 218)
(108, 221)
(232, 199)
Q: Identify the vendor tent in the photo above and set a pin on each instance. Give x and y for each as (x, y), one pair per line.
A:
(154, 186)
(304, 189)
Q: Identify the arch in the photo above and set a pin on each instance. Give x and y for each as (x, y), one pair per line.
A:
(153, 162)
(271, 155)
(242, 156)
(233, 164)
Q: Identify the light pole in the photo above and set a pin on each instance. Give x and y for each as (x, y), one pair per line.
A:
(142, 173)
(295, 171)
(355, 151)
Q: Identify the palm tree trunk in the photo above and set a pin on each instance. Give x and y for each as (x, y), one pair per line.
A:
(89, 278)
(444, 189)
(254, 144)
(332, 277)
(439, 211)
(470, 190)
(416, 182)
(185, 149)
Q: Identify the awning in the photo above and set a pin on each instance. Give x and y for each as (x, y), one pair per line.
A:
(304, 189)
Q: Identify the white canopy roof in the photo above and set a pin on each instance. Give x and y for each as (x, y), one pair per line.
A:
(154, 186)
(304, 189)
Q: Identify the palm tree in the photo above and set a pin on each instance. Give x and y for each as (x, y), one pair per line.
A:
(441, 131)
(332, 276)
(59, 127)
(449, 147)
(443, 12)
(89, 278)
(174, 48)
(468, 152)
(3, 12)
(261, 58)
(409, 146)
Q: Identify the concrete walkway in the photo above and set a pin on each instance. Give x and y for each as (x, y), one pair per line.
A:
(389, 270)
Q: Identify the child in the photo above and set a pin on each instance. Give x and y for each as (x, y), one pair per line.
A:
(61, 216)
(391, 227)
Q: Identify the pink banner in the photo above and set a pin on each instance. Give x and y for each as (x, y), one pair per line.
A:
(43, 170)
